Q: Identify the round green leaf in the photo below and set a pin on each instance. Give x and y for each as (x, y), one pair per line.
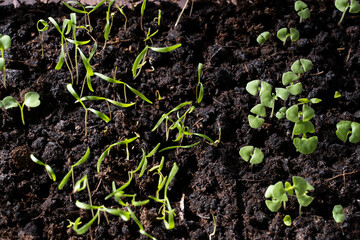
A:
(282, 93)
(2, 63)
(341, 5)
(355, 132)
(32, 99)
(308, 113)
(294, 34)
(288, 78)
(295, 89)
(268, 192)
(255, 122)
(257, 157)
(304, 200)
(5, 42)
(305, 13)
(301, 66)
(287, 220)
(354, 7)
(292, 113)
(307, 145)
(273, 205)
(306, 64)
(245, 152)
(303, 128)
(281, 113)
(252, 87)
(263, 37)
(259, 109)
(338, 213)
(342, 131)
(9, 102)
(300, 5)
(282, 34)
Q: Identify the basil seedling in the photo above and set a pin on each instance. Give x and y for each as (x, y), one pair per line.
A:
(302, 10)
(255, 155)
(338, 214)
(31, 100)
(344, 5)
(263, 37)
(5, 42)
(287, 220)
(343, 131)
(283, 34)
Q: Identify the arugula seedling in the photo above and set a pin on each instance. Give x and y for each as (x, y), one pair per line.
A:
(344, 5)
(45, 27)
(255, 155)
(263, 37)
(338, 214)
(84, 11)
(199, 86)
(48, 169)
(141, 58)
(343, 131)
(287, 220)
(31, 100)
(278, 194)
(107, 151)
(302, 10)
(5, 43)
(283, 34)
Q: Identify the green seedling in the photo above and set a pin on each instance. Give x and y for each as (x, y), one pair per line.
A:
(116, 212)
(122, 13)
(337, 94)
(48, 169)
(64, 53)
(263, 37)
(214, 231)
(109, 22)
(114, 81)
(143, 7)
(31, 100)
(287, 220)
(283, 34)
(301, 66)
(302, 10)
(71, 172)
(255, 155)
(141, 58)
(107, 151)
(96, 112)
(149, 35)
(158, 18)
(338, 214)
(278, 194)
(89, 70)
(344, 5)
(298, 68)
(199, 86)
(281, 113)
(343, 131)
(181, 13)
(84, 10)
(166, 209)
(136, 220)
(5, 43)
(45, 26)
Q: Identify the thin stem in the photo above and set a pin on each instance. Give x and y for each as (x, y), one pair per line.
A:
(4, 73)
(343, 15)
(22, 113)
(83, 85)
(86, 113)
(88, 188)
(76, 65)
(42, 46)
(181, 13)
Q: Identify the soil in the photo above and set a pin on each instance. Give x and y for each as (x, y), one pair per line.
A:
(210, 179)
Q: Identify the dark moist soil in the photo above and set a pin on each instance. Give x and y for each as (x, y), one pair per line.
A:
(210, 179)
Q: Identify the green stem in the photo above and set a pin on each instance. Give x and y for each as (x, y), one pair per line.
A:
(343, 15)
(88, 188)
(76, 65)
(22, 114)
(4, 73)
(42, 46)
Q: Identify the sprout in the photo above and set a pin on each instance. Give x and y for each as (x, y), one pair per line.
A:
(136, 220)
(278, 194)
(5, 42)
(255, 155)
(338, 214)
(108, 22)
(337, 94)
(343, 131)
(40, 30)
(48, 169)
(31, 100)
(214, 231)
(344, 5)
(263, 37)
(301, 66)
(287, 220)
(143, 6)
(283, 34)
(199, 86)
(302, 9)
(122, 13)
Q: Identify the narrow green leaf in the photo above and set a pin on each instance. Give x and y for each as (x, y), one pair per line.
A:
(139, 94)
(165, 49)
(138, 60)
(72, 91)
(184, 147)
(87, 65)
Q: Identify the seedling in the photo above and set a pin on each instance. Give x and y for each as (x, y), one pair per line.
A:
(45, 27)
(122, 13)
(337, 94)
(116, 212)
(283, 34)
(214, 231)
(5, 42)
(107, 151)
(287, 220)
(143, 6)
(199, 86)
(96, 112)
(301, 66)
(263, 37)
(89, 71)
(343, 131)
(255, 155)
(48, 169)
(108, 22)
(84, 11)
(31, 100)
(136, 220)
(278, 194)
(338, 214)
(141, 58)
(181, 13)
(302, 10)
(344, 5)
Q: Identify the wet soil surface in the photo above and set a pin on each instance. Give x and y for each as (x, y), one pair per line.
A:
(210, 179)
